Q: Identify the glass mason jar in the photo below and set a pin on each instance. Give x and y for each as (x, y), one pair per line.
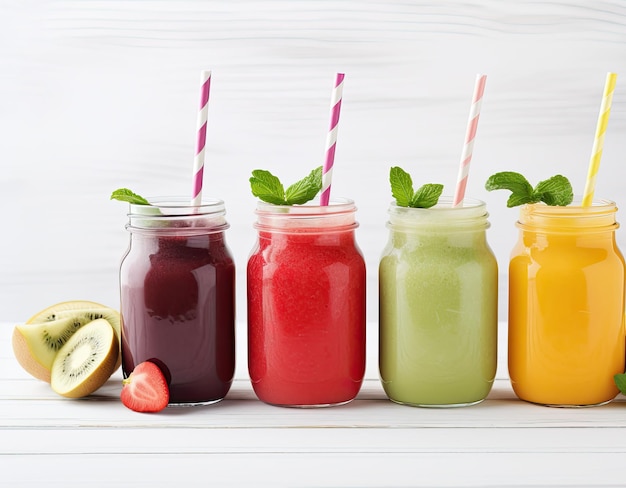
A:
(177, 284)
(438, 297)
(306, 305)
(566, 305)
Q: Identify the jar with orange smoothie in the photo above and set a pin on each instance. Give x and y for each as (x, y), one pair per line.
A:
(566, 305)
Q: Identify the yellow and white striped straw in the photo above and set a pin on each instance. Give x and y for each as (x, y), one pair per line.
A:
(598, 142)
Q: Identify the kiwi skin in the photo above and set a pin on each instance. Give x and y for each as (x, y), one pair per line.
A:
(85, 383)
(26, 358)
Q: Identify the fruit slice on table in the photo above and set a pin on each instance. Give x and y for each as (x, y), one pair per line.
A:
(145, 390)
(86, 361)
(37, 342)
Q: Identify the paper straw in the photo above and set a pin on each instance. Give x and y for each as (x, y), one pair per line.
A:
(470, 135)
(331, 139)
(598, 142)
(198, 162)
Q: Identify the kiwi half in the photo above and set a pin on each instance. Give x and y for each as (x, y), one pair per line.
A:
(86, 361)
(37, 342)
(35, 346)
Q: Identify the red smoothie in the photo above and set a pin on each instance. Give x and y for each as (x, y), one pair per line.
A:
(178, 310)
(306, 312)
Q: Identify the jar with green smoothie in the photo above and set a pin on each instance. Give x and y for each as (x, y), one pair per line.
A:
(438, 289)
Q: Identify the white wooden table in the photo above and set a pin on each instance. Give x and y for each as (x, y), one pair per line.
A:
(46, 440)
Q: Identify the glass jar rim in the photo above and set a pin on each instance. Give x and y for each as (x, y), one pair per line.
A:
(175, 215)
(597, 206)
(470, 216)
(337, 216)
(335, 206)
(575, 217)
(177, 206)
(445, 204)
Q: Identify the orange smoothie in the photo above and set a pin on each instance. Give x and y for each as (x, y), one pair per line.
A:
(566, 305)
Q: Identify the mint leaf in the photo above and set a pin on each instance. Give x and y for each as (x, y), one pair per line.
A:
(519, 199)
(620, 382)
(427, 195)
(509, 180)
(267, 187)
(402, 190)
(555, 191)
(401, 186)
(304, 190)
(125, 195)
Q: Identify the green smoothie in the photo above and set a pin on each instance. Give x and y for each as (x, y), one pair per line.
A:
(438, 285)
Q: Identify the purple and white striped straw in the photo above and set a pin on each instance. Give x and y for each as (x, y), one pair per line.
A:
(198, 162)
(331, 139)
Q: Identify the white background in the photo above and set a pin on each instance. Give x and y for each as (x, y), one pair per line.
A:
(96, 95)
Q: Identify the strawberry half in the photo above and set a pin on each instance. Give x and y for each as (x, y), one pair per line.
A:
(145, 389)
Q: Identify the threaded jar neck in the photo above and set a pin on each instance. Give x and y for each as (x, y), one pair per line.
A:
(574, 218)
(176, 215)
(337, 216)
(443, 217)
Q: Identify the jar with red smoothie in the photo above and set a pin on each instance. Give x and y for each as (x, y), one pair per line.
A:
(306, 305)
(177, 283)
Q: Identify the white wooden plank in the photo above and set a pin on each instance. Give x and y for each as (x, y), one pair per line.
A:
(242, 440)
(318, 469)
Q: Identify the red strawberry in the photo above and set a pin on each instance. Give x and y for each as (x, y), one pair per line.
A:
(145, 390)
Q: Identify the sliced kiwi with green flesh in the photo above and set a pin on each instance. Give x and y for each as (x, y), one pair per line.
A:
(86, 361)
(37, 342)
(106, 313)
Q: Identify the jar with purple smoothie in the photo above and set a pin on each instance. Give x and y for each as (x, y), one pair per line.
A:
(177, 284)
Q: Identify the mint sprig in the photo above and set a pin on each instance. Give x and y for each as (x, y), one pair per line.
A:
(269, 188)
(402, 190)
(555, 191)
(126, 195)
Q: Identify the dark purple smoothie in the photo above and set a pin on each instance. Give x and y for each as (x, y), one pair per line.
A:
(178, 310)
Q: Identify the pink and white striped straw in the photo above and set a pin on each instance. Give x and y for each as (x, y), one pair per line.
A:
(198, 162)
(331, 139)
(470, 135)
